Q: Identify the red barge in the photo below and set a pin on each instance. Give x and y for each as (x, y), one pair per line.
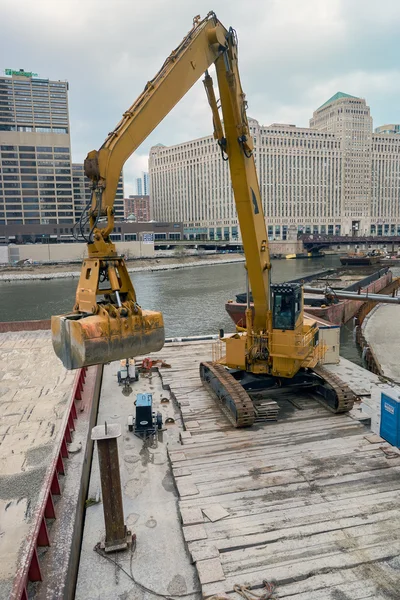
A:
(337, 311)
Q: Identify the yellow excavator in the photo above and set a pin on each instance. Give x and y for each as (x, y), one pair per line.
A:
(279, 345)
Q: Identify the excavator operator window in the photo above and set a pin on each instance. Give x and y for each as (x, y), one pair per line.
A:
(287, 306)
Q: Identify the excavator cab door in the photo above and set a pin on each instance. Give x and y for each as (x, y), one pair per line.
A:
(286, 305)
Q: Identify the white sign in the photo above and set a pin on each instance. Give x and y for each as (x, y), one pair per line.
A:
(148, 238)
(389, 408)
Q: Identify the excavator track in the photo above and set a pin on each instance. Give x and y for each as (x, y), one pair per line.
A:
(232, 398)
(334, 394)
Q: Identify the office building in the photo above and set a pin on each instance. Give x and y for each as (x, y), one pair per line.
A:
(35, 150)
(137, 208)
(142, 185)
(335, 177)
(348, 119)
(146, 190)
(82, 192)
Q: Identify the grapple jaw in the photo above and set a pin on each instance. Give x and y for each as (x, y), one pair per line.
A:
(81, 340)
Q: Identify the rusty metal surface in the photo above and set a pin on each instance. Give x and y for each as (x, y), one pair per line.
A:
(36, 325)
(107, 447)
(106, 322)
(80, 341)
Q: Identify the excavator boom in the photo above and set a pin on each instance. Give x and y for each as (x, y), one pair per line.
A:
(106, 322)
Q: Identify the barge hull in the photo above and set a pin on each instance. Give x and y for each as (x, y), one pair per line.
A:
(336, 314)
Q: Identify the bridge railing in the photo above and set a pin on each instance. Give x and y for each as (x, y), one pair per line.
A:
(315, 239)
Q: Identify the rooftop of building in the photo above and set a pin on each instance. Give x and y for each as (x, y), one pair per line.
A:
(337, 96)
(22, 74)
(388, 128)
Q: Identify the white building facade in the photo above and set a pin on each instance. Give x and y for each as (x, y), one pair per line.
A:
(336, 177)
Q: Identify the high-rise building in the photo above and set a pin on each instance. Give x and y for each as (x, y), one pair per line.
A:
(142, 185)
(349, 119)
(146, 184)
(137, 208)
(35, 151)
(336, 177)
(81, 188)
(82, 192)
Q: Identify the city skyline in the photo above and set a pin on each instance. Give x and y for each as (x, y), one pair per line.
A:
(302, 55)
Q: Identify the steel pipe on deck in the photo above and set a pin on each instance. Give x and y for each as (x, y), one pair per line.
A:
(341, 295)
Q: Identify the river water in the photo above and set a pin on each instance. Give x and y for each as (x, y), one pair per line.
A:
(192, 300)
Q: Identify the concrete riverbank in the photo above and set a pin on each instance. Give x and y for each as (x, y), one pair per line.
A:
(40, 272)
(381, 330)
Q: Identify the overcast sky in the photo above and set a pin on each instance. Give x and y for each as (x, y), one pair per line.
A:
(294, 55)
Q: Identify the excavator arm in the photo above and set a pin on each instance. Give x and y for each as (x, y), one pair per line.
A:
(107, 323)
(183, 67)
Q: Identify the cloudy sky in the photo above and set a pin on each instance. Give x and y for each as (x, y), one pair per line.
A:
(294, 55)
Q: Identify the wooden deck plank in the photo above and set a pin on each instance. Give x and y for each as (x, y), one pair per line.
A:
(308, 500)
(311, 465)
(301, 568)
(348, 581)
(229, 535)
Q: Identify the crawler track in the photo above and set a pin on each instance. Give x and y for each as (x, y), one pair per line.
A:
(232, 398)
(237, 405)
(333, 393)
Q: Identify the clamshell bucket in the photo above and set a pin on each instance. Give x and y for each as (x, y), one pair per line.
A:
(81, 340)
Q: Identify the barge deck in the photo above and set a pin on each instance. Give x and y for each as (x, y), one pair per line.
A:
(311, 501)
(40, 508)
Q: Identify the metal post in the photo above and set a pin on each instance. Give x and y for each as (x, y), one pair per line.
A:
(117, 536)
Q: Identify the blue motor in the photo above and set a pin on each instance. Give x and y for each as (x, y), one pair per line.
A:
(146, 421)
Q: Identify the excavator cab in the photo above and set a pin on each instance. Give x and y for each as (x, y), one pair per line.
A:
(287, 305)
